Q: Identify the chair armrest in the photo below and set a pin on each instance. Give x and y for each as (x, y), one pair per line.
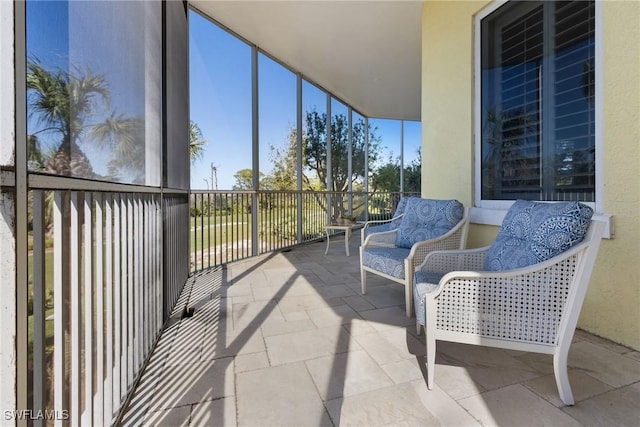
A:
(454, 239)
(367, 224)
(452, 260)
(384, 238)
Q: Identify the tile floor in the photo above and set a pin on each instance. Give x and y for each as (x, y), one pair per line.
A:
(287, 340)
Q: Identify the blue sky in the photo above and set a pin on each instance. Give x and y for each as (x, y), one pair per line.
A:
(64, 36)
(220, 78)
(61, 35)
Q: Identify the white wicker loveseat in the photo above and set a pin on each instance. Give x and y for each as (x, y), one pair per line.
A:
(426, 225)
(524, 292)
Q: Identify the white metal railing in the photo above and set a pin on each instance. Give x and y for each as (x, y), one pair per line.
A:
(227, 226)
(108, 262)
(97, 305)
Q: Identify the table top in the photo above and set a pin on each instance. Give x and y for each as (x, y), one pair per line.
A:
(344, 226)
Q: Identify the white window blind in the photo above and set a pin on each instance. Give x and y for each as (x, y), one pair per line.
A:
(538, 134)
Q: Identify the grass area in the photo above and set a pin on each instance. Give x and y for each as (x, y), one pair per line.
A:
(205, 232)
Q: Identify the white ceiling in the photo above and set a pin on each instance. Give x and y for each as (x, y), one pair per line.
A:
(367, 53)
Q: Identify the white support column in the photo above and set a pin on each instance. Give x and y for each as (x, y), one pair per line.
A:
(7, 212)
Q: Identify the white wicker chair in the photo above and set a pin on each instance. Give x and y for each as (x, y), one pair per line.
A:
(533, 308)
(378, 226)
(398, 264)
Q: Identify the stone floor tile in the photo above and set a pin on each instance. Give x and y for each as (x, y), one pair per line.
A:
(397, 405)
(403, 371)
(172, 417)
(384, 318)
(346, 374)
(252, 348)
(381, 349)
(407, 343)
(293, 316)
(515, 404)
(607, 366)
(279, 396)
(306, 302)
(492, 368)
(339, 277)
(194, 383)
(614, 408)
(583, 387)
(358, 303)
(390, 295)
(306, 345)
(443, 407)
(215, 413)
(287, 327)
(452, 377)
(223, 343)
(601, 342)
(336, 291)
(255, 313)
(358, 327)
(635, 355)
(542, 363)
(251, 362)
(336, 315)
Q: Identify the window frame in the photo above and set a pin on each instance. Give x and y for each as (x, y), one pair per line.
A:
(487, 211)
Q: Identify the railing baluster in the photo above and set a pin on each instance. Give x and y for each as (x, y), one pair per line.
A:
(74, 249)
(87, 291)
(138, 307)
(39, 282)
(130, 292)
(124, 289)
(99, 313)
(109, 283)
(117, 302)
(60, 400)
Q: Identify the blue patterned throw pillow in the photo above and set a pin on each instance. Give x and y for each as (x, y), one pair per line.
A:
(426, 219)
(533, 232)
(402, 204)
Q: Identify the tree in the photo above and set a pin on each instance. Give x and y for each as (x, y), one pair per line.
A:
(413, 175)
(124, 135)
(386, 177)
(314, 143)
(196, 141)
(64, 103)
(314, 157)
(244, 179)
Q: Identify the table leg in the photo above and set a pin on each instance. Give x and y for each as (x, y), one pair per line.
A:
(327, 250)
(347, 234)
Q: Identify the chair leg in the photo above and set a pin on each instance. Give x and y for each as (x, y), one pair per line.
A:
(363, 280)
(408, 298)
(431, 357)
(562, 376)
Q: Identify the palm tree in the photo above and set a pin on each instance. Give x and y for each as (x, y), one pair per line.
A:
(196, 141)
(62, 102)
(125, 135)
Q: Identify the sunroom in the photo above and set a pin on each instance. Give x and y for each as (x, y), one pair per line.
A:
(168, 169)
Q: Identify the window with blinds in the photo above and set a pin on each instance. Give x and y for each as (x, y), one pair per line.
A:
(538, 120)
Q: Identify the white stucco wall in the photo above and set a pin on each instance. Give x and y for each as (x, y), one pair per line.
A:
(612, 305)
